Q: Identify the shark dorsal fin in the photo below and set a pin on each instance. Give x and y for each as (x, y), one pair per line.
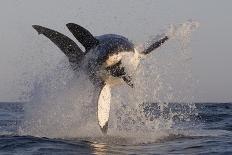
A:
(83, 36)
(65, 44)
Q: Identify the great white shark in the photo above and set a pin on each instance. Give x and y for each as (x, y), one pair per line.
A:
(102, 61)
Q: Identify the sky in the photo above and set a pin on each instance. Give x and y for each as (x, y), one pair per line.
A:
(136, 19)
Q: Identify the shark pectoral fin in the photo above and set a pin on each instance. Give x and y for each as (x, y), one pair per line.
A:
(155, 45)
(65, 44)
(103, 111)
(128, 80)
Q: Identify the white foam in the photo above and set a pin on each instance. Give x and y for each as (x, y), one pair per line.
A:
(183, 31)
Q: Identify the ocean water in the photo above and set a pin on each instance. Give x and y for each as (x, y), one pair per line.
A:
(208, 132)
(158, 116)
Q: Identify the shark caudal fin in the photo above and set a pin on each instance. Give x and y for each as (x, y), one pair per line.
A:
(154, 45)
(65, 44)
(103, 110)
(83, 36)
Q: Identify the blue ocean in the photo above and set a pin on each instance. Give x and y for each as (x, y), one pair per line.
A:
(207, 131)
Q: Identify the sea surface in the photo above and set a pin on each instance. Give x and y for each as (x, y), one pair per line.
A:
(208, 132)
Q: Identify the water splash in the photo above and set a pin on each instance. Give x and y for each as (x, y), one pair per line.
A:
(61, 101)
(182, 32)
(160, 81)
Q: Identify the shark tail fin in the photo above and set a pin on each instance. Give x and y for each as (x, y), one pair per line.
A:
(65, 44)
(83, 36)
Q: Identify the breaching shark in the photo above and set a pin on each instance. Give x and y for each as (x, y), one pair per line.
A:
(103, 61)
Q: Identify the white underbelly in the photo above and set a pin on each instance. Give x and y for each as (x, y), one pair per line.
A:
(130, 61)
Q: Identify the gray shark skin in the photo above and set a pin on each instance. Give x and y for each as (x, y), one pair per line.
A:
(97, 55)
